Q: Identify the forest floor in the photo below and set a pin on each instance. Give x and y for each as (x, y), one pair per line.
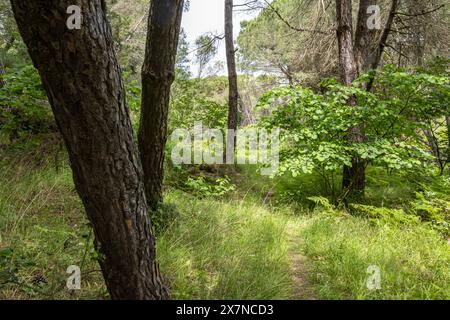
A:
(302, 287)
(246, 237)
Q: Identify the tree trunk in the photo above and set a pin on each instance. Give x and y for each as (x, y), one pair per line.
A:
(433, 144)
(365, 38)
(347, 63)
(2, 73)
(158, 73)
(233, 95)
(81, 76)
(447, 119)
(378, 54)
(385, 35)
(354, 176)
(8, 46)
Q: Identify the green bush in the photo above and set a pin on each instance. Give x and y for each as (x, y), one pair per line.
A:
(315, 125)
(384, 215)
(24, 108)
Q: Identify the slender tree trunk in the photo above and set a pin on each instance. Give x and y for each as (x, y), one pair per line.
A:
(348, 68)
(8, 46)
(386, 32)
(158, 73)
(81, 76)
(354, 176)
(433, 144)
(2, 73)
(365, 38)
(233, 96)
(447, 119)
(376, 59)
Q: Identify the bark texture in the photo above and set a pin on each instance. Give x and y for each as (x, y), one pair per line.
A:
(348, 69)
(233, 94)
(81, 76)
(354, 176)
(158, 73)
(355, 58)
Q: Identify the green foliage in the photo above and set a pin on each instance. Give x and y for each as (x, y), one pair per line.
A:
(24, 108)
(432, 204)
(203, 188)
(182, 63)
(199, 100)
(163, 217)
(279, 53)
(413, 259)
(43, 230)
(383, 215)
(206, 49)
(227, 248)
(433, 210)
(316, 125)
(224, 251)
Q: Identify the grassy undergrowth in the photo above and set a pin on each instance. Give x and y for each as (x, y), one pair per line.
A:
(236, 245)
(220, 250)
(211, 249)
(414, 261)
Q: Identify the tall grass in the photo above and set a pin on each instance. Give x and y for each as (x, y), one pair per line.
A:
(238, 246)
(219, 250)
(211, 249)
(43, 231)
(414, 260)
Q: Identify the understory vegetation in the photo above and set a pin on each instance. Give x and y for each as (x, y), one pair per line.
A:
(357, 208)
(236, 245)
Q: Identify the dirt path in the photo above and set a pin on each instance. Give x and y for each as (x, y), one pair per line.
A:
(303, 289)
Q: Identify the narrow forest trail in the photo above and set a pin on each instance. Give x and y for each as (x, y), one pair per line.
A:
(303, 290)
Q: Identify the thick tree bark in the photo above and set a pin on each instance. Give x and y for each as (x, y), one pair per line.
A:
(158, 73)
(354, 176)
(81, 76)
(233, 94)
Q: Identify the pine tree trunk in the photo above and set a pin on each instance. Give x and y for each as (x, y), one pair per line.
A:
(158, 73)
(348, 68)
(81, 76)
(233, 96)
(354, 176)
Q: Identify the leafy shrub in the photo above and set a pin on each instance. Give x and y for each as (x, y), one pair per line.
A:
(24, 108)
(163, 217)
(192, 101)
(433, 210)
(315, 125)
(386, 215)
(204, 188)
